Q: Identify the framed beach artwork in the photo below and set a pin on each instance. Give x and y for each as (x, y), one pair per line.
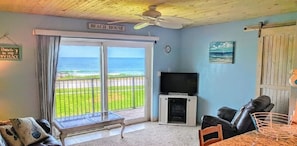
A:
(221, 52)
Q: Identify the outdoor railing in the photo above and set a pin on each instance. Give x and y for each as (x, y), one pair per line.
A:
(76, 98)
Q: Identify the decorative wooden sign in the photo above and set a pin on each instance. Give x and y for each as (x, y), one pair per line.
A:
(106, 27)
(10, 52)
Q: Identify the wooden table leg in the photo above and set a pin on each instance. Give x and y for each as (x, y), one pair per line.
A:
(62, 137)
(122, 131)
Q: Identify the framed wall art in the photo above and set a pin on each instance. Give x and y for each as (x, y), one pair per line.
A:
(221, 52)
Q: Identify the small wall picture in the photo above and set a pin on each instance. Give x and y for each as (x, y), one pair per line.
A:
(10, 52)
(221, 52)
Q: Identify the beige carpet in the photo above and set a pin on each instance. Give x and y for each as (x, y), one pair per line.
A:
(152, 135)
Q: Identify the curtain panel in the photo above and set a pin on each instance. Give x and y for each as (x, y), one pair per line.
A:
(47, 60)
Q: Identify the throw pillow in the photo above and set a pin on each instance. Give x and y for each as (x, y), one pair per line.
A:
(28, 130)
(10, 136)
(2, 141)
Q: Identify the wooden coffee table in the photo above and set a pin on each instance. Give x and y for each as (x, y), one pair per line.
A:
(88, 123)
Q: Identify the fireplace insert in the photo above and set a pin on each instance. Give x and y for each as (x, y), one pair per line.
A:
(177, 110)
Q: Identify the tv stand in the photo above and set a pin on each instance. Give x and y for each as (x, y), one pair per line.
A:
(177, 110)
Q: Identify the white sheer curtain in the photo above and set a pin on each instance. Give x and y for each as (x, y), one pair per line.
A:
(47, 60)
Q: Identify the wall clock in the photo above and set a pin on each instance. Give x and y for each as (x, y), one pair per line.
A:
(167, 49)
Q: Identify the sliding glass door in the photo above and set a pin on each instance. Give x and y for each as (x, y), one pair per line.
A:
(128, 72)
(97, 76)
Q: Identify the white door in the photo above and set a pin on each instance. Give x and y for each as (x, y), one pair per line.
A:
(276, 59)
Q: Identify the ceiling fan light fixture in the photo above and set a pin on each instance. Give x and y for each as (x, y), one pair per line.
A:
(151, 13)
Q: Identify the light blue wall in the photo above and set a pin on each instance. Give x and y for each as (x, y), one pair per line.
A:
(220, 85)
(18, 80)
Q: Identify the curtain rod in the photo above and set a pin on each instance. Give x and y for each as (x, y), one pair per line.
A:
(269, 25)
(93, 35)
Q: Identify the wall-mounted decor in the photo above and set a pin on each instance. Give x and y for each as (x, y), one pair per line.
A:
(221, 52)
(167, 49)
(106, 27)
(9, 49)
(10, 52)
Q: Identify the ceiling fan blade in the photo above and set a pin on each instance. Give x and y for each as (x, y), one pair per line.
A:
(141, 25)
(176, 19)
(169, 25)
(125, 21)
(147, 18)
(117, 21)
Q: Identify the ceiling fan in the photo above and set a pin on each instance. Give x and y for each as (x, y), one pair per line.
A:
(154, 17)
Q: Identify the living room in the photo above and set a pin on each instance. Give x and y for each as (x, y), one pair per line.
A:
(230, 85)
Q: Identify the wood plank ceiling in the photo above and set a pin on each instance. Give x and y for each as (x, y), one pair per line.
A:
(201, 12)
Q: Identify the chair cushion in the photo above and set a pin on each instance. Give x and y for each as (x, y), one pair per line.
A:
(28, 130)
(50, 141)
(227, 113)
(10, 136)
(269, 107)
(261, 103)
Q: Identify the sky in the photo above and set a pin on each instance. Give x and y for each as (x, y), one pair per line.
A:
(93, 51)
(221, 46)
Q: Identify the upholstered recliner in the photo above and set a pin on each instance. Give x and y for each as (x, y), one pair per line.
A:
(237, 122)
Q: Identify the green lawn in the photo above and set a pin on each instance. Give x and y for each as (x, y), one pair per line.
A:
(77, 101)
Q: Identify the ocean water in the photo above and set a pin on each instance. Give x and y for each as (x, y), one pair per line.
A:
(221, 57)
(90, 65)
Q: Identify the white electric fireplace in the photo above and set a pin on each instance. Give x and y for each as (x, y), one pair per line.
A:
(177, 110)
